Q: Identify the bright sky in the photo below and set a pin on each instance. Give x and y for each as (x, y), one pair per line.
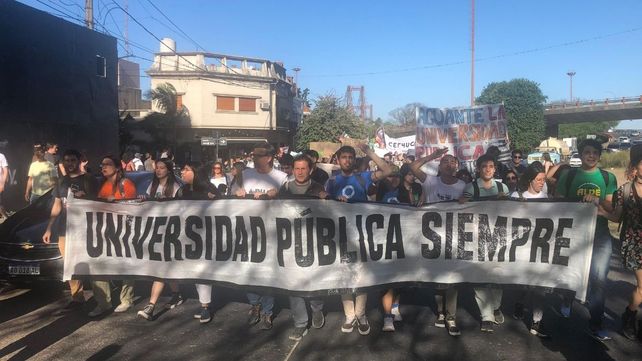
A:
(402, 52)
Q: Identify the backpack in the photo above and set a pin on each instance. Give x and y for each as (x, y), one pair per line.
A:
(500, 188)
(573, 172)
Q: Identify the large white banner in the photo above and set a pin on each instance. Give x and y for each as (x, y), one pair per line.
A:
(466, 132)
(319, 245)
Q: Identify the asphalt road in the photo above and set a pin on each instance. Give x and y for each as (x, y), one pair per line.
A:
(30, 329)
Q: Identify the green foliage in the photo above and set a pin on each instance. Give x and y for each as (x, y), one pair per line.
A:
(328, 120)
(161, 126)
(524, 104)
(580, 130)
(615, 160)
(304, 95)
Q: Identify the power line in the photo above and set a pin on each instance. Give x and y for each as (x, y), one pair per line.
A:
(499, 56)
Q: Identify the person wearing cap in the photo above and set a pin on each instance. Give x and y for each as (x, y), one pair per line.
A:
(627, 210)
(261, 182)
(444, 187)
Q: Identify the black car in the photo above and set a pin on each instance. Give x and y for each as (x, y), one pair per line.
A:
(23, 255)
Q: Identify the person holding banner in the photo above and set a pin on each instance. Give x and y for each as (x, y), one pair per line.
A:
(303, 186)
(531, 186)
(406, 191)
(81, 185)
(261, 182)
(163, 186)
(352, 186)
(115, 186)
(627, 209)
(593, 185)
(197, 187)
(444, 187)
(489, 298)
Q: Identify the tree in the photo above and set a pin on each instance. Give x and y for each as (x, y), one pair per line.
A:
(580, 130)
(328, 120)
(524, 104)
(161, 126)
(304, 95)
(404, 115)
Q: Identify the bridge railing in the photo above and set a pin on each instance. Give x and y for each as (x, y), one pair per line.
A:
(592, 103)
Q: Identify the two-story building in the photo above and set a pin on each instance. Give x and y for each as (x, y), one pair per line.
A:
(243, 99)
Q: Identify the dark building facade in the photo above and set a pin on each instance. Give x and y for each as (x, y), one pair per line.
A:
(58, 83)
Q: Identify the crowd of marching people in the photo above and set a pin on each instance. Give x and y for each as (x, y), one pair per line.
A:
(370, 178)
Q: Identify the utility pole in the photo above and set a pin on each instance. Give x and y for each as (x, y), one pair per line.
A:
(472, 55)
(127, 48)
(570, 76)
(89, 14)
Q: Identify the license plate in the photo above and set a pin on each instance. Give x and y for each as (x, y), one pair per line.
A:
(24, 270)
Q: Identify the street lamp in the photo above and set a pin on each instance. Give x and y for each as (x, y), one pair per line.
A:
(570, 76)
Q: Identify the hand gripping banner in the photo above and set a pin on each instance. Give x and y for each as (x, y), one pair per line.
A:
(312, 246)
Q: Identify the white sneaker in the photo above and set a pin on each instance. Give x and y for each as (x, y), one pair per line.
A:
(98, 311)
(395, 312)
(123, 307)
(388, 324)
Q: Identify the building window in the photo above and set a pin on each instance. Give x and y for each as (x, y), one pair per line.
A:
(101, 66)
(247, 105)
(179, 102)
(225, 103)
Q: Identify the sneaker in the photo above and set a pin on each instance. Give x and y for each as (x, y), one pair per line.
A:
(203, 315)
(440, 321)
(98, 311)
(254, 316)
(451, 325)
(536, 329)
(600, 334)
(318, 319)
(499, 316)
(565, 311)
(123, 307)
(388, 324)
(487, 326)
(147, 312)
(518, 312)
(364, 326)
(298, 333)
(266, 322)
(395, 312)
(176, 300)
(348, 325)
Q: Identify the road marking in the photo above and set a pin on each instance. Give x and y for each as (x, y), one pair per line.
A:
(292, 350)
(13, 293)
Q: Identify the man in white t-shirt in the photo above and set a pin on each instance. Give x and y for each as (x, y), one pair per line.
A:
(441, 188)
(4, 176)
(445, 186)
(262, 182)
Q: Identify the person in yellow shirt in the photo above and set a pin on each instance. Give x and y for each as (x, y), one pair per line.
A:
(42, 176)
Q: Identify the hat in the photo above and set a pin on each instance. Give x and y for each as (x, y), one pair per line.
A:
(138, 155)
(636, 154)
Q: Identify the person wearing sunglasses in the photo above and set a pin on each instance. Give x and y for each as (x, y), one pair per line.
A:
(516, 164)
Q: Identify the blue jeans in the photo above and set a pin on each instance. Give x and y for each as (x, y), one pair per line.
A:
(602, 250)
(266, 302)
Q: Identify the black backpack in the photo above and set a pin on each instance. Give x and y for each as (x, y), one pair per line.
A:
(500, 188)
